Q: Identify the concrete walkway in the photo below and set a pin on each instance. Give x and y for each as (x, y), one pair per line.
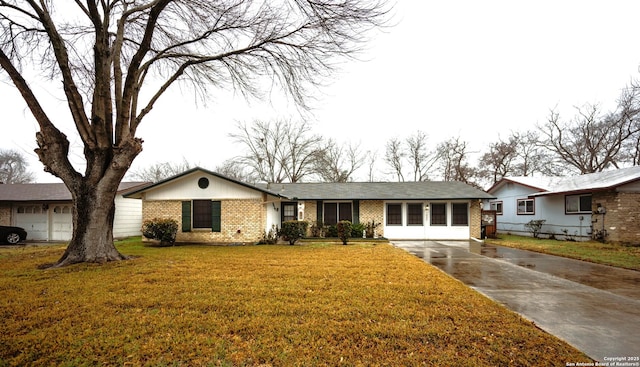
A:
(595, 308)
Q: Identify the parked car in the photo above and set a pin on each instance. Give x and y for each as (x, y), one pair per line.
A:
(12, 235)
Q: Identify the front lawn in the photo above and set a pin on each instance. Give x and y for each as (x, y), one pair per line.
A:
(602, 253)
(307, 305)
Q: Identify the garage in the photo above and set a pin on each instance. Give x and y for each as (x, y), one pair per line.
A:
(34, 219)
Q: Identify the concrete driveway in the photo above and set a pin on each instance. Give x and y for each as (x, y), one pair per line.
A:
(595, 308)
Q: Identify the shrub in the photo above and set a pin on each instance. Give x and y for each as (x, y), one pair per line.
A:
(535, 226)
(344, 230)
(318, 229)
(370, 228)
(162, 229)
(293, 230)
(358, 230)
(269, 238)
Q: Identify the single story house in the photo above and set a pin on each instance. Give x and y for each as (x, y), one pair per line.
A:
(44, 210)
(210, 207)
(603, 205)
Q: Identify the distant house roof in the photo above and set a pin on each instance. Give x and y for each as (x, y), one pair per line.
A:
(423, 190)
(575, 184)
(47, 191)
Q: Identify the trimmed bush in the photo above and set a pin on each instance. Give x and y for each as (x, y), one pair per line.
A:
(358, 230)
(344, 231)
(162, 229)
(293, 230)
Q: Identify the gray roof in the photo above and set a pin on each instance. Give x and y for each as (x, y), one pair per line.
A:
(46, 191)
(581, 183)
(425, 190)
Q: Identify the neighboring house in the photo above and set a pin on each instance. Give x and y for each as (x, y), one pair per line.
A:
(213, 208)
(604, 205)
(44, 210)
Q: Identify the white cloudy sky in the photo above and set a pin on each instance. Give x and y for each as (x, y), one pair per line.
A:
(474, 69)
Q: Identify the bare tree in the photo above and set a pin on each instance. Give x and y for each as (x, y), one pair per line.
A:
(113, 59)
(13, 168)
(421, 159)
(160, 171)
(454, 165)
(337, 163)
(278, 151)
(499, 161)
(394, 156)
(593, 140)
(371, 158)
(232, 169)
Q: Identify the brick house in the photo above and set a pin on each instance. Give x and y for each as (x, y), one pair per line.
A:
(210, 207)
(603, 205)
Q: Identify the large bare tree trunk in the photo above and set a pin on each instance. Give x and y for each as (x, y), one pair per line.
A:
(93, 214)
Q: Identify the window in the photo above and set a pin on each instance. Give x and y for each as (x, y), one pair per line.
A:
(334, 212)
(201, 214)
(414, 215)
(394, 214)
(460, 214)
(438, 214)
(574, 204)
(289, 211)
(525, 206)
(497, 206)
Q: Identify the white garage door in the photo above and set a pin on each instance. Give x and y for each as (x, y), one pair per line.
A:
(34, 220)
(61, 223)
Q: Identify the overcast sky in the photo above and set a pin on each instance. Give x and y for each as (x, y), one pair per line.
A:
(474, 69)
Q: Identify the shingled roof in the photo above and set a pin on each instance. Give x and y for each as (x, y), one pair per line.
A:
(425, 190)
(575, 184)
(47, 191)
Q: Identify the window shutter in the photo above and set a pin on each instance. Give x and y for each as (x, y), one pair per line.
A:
(319, 211)
(356, 211)
(216, 216)
(186, 216)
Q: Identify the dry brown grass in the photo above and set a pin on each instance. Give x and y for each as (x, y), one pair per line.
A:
(310, 305)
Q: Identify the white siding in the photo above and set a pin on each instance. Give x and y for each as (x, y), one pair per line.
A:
(426, 230)
(187, 189)
(128, 217)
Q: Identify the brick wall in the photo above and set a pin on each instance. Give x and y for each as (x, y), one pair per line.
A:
(241, 221)
(373, 210)
(622, 219)
(475, 217)
(5, 215)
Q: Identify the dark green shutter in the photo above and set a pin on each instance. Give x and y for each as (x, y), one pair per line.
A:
(216, 216)
(319, 210)
(186, 216)
(356, 211)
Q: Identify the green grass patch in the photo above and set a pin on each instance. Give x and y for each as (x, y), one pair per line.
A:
(602, 253)
(310, 305)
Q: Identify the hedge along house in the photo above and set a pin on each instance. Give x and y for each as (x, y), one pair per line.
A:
(603, 205)
(210, 207)
(44, 210)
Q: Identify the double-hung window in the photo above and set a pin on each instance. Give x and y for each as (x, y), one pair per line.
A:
(526, 206)
(459, 214)
(438, 214)
(394, 214)
(575, 204)
(201, 214)
(414, 214)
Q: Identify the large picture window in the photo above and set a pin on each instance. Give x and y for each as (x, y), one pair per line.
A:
(414, 215)
(526, 206)
(460, 214)
(334, 212)
(438, 214)
(202, 214)
(394, 214)
(574, 204)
